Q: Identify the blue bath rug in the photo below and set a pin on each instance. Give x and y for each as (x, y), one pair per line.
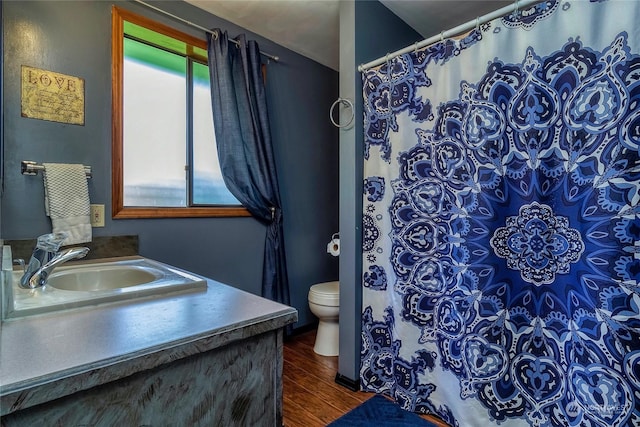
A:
(379, 412)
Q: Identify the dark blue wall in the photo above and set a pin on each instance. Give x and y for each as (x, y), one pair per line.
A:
(75, 38)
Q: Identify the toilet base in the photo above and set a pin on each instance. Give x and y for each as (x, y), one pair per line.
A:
(327, 338)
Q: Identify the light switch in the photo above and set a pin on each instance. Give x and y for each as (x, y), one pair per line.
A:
(97, 215)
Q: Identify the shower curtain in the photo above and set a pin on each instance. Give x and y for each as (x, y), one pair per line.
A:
(501, 249)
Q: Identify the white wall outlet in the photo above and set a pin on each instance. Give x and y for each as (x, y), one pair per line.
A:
(97, 215)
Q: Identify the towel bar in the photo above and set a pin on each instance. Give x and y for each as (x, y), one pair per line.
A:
(31, 168)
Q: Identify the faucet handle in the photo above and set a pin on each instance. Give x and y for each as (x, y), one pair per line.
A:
(67, 255)
(74, 252)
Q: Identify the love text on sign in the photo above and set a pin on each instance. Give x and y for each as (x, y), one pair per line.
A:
(52, 96)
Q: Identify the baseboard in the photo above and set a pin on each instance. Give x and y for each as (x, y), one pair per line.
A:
(353, 385)
(301, 330)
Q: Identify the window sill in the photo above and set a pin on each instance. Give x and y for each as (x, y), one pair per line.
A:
(193, 212)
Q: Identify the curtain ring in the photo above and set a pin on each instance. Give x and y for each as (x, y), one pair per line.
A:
(347, 103)
(515, 10)
(415, 48)
(478, 23)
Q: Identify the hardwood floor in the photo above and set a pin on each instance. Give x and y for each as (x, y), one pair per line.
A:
(311, 396)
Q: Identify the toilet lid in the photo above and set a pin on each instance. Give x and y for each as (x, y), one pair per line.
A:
(327, 293)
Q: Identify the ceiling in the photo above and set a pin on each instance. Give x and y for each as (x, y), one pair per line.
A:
(311, 27)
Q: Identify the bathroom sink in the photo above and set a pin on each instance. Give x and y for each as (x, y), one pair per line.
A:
(90, 283)
(99, 278)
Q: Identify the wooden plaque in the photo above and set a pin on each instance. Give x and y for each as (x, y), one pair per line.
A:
(52, 96)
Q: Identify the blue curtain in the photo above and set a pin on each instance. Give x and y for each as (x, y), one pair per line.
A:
(244, 147)
(501, 250)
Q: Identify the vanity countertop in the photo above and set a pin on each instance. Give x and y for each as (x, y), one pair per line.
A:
(43, 357)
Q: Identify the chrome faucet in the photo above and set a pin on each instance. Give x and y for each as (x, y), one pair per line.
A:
(39, 278)
(47, 247)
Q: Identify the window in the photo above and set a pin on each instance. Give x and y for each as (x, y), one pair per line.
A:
(164, 155)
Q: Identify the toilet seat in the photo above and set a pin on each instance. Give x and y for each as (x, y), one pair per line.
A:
(327, 293)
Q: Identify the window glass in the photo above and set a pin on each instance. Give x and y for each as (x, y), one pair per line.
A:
(154, 126)
(208, 185)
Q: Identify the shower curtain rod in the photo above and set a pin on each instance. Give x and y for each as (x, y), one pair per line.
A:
(213, 33)
(460, 29)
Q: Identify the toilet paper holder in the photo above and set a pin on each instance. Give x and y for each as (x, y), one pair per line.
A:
(333, 247)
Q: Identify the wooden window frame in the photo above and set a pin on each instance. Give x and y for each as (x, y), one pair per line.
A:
(118, 210)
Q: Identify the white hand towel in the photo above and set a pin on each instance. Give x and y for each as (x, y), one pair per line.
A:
(66, 201)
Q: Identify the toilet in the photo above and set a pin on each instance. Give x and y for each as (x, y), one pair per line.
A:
(324, 302)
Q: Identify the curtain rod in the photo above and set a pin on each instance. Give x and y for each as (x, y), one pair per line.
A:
(519, 4)
(213, 33)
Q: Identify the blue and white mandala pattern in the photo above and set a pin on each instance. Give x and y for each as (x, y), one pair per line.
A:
(538, 244)
(515, 223)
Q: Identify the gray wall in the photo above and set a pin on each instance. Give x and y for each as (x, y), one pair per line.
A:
(361, 41)
(75, 38)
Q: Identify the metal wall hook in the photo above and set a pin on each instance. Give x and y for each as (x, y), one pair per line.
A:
(347, 103)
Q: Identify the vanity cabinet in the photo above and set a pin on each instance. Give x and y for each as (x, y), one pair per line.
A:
(208, 358)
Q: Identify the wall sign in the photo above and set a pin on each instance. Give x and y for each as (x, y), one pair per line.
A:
(52, 96)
